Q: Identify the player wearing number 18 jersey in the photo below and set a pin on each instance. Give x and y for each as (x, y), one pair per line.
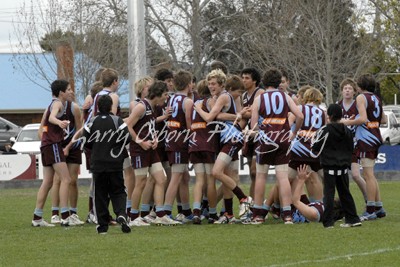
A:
(314, 119)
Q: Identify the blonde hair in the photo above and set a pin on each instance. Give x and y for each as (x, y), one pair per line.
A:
(219, 75)
(301, 91)
(141, 84)
(313, 95)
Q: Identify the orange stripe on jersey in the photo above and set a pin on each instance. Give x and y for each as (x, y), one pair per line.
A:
(44, 129)
(174, 124)
(279, 121)
(372, 124)
(198, 125)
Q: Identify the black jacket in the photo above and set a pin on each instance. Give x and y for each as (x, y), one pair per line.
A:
(106, 135)
(334, 144)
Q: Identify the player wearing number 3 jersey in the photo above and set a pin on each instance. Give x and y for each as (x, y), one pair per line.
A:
(369, 140)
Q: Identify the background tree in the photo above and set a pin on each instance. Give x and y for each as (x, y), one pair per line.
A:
(317, 42)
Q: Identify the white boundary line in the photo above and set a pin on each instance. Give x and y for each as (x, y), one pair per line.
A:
(347, 256)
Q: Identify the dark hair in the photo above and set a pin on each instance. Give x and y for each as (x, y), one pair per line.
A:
(254, 73)
(163, 74)
(367, 82)
(104, 104)
(219, 65)
(377, 91)
(272, 77)
(157, 89)
(182, 79)
(58, 86)
(334, 112)
(285, 74)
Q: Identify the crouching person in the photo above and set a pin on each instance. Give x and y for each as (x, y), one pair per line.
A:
(106, 135)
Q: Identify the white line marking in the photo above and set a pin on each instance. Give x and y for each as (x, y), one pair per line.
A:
(347, 256)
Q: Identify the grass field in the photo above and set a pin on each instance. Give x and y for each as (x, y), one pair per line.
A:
(376, 243)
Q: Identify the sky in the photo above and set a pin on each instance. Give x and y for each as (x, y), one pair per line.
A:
(8, 14)
(8, 11)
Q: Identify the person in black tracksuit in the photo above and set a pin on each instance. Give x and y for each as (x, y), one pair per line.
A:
(107, 135)
(334, 144)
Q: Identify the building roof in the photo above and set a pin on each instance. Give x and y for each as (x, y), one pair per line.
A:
(24, 88)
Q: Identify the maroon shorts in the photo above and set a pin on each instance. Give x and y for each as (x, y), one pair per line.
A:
(52, 154)
(354, 156)
(74, 157)
(273, 155)
(175, 157)
(367, 154)
(162, 155)
(314, 165)
(202, 157)
(232, 149)
(249, 148)
(144, 159)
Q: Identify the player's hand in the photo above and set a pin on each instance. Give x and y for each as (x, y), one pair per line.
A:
(198, 105)
(66, 151)
(154, 144)
(63, 124)
(168, 111)
(146, 145)
(302, 173)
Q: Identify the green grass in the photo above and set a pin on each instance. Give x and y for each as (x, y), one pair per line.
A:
(376, 243)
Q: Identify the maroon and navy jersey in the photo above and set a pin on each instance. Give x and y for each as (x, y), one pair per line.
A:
(314, 119)
(368, 134)
(177, 138)
(71, 129)
(195, 96)
(273, 117)
(52, 133)
(144, 128)
(248, 100)
(348, 111)
(203, 137)
(161, 127)
(94, 109)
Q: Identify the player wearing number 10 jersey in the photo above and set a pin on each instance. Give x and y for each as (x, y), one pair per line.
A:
(270, 115)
